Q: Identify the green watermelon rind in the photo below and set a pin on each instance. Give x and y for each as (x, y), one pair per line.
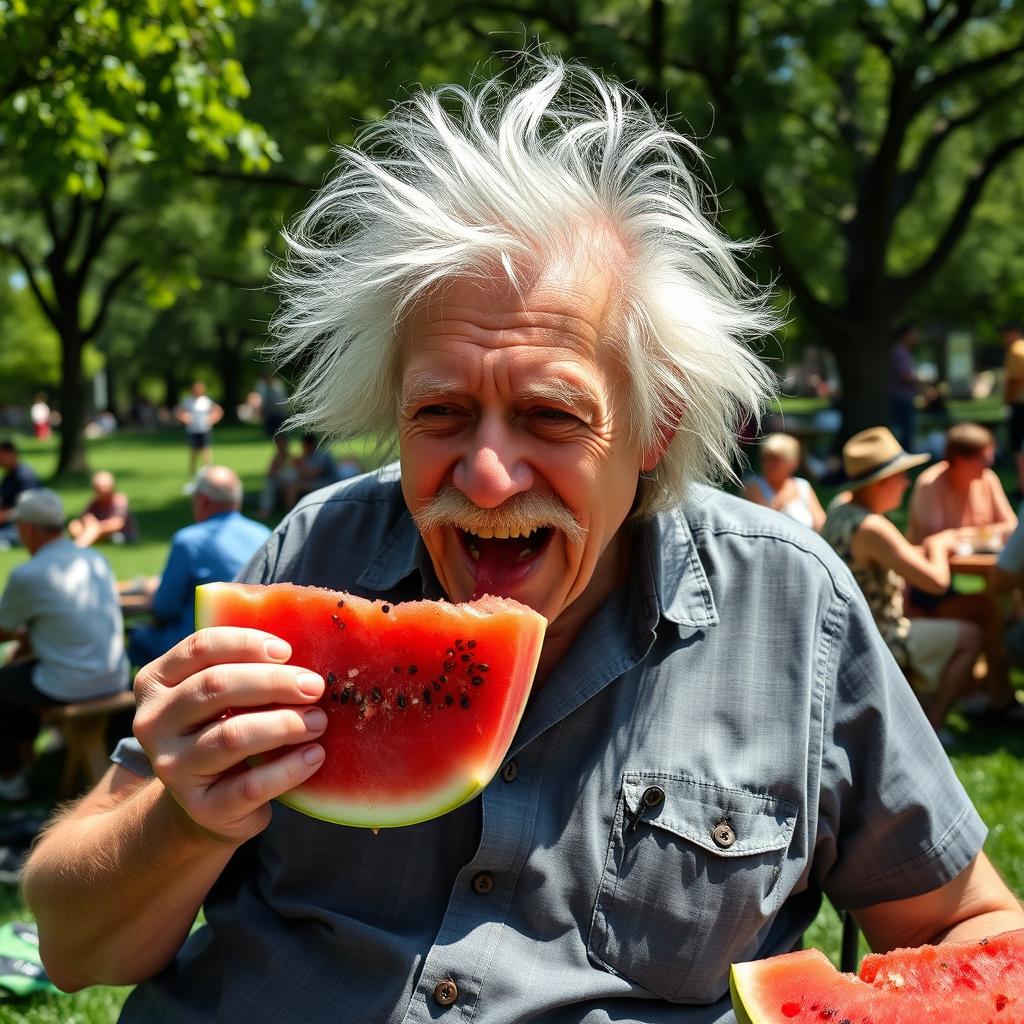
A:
(743, 981)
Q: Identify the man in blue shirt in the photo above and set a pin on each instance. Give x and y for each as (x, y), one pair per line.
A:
(521, 285)
(211, 550)
(18, 477)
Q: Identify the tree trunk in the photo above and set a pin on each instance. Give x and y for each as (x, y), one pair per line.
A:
(172, 389)
(230, 345)
(73, 404)
(863, 363)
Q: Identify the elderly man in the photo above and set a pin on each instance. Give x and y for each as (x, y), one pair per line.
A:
(107, 517)
(62, 606)
(212, 549)
(521, 284)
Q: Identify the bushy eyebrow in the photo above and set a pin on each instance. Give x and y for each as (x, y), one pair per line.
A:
(422, 385)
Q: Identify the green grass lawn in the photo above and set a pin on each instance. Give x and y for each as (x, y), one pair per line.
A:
(152, 469)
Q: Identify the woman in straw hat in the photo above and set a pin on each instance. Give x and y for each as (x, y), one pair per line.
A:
(777, 487)
(939, 654)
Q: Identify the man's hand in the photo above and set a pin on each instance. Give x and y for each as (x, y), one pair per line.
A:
(215, 700)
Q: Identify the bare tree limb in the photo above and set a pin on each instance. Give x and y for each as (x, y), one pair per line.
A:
(875, 35)
(907, 285)
(33, 282)
(941, 83)
(964, 11)
(106, 297)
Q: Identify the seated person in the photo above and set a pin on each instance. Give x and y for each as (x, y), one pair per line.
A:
(211, 550)
(1007, 577)
(281, 475)
(778, 488)
(62, 606)
(962, 492)
(106, 518)
(18, 476)
(940, 651)
(314, 468)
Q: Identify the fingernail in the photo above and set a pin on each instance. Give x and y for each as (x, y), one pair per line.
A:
(313, 755)
(277, 649)
(311, 685)
(315, 720)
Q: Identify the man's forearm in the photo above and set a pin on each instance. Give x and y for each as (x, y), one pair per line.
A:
(116, 890)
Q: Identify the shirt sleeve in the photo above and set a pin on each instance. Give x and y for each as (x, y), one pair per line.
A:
(176, 583)
(16, 603)
(894, 820)
(1011, 558)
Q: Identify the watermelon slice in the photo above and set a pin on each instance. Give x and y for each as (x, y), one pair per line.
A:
(422, 698)
(955, 983)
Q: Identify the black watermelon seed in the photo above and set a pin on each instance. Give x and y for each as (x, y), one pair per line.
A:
(477, 680)
(398, 669)
(449, 699)
(375, 693)
(443, 678)
(464, 701)
(400, 700)
(436, 684)
(426, 697)
(413, 670)
(466, 657)
(341, 604)
(483, 668)
(449, 666)
(450, 653)
(331, 678)
(343, 696)
(385, 608)
(458, 644)
(471, 643)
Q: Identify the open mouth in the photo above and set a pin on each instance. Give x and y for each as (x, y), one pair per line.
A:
(501, 559)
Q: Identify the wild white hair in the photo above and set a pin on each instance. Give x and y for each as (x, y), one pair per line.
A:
(458, 183)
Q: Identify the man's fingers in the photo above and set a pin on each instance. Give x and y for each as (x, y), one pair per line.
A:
(233, 797)
(212, 692)
(224, 744)
(213, 646)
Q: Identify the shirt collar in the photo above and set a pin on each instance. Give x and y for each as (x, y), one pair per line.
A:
(670, 571)
(669, 561)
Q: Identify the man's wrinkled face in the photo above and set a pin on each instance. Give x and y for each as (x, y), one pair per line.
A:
(512, 429)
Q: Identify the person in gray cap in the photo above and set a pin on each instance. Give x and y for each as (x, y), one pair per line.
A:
(61, 606)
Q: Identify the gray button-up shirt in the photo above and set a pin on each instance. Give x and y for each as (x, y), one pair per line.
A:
(727, 739)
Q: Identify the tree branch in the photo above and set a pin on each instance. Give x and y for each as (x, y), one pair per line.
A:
(875, 35)
(33, 282)
(913, 176)
(275, 180)
(107, 295)
(940, 83)
(909, 284)
(964, 10)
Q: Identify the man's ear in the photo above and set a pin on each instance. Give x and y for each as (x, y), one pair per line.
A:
(656, 448)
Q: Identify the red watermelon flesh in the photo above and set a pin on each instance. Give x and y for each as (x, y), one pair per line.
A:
(422, 698)
(954, 983)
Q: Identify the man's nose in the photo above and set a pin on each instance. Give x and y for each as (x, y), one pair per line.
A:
(493, 469)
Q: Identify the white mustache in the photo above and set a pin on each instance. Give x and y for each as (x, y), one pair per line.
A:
(520, 514)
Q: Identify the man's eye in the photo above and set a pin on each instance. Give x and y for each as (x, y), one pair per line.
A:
(555, 416)
(436, 410)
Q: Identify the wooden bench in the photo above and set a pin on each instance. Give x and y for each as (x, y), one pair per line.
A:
(84, 727)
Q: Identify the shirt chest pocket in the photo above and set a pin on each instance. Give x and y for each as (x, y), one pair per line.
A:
(691, 875)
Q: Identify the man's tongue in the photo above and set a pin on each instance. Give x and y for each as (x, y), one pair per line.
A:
(499, 563)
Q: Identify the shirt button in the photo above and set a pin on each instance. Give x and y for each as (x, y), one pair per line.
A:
(723, 835)
(510, 771)
(446, 992)
(483, 882)
(653, 796)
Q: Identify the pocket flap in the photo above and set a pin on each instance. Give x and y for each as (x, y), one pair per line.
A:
(693, 810)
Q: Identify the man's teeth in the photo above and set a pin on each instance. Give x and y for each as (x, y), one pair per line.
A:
(510, 533)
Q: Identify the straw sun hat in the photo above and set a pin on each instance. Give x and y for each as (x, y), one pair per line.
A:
(875, 454)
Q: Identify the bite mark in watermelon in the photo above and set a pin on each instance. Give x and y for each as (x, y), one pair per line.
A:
(954, 983)
(422, 698)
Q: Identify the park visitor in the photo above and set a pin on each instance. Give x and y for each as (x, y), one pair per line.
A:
(903, 385)
(18, 477)
(779, 488)
(940, 653)
(211, 550)
(61, 607)
(199, 414)
(520, 281)
(107, 517)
